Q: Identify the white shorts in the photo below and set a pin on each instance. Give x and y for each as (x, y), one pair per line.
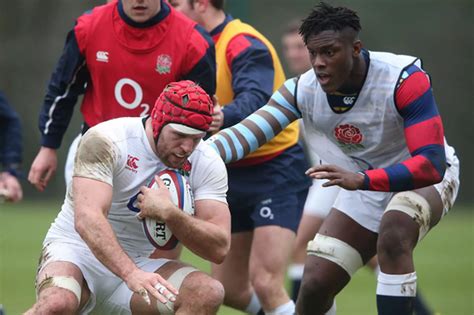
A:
(109, 294)
(367, 207)
(320, 199)
(448, 188)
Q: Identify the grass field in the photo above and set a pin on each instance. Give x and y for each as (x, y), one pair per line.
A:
(444, 260)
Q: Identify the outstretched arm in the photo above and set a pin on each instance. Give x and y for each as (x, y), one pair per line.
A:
(257, 129)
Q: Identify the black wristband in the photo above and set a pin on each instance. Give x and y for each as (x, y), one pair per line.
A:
(365, 185)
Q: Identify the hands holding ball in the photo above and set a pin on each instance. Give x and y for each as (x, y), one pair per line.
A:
(168, 192)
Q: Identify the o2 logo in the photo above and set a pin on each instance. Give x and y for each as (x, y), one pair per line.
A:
(266, 212)
(137, 102)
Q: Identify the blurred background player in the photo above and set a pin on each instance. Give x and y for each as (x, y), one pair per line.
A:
(120, 55)
(294, 50)
(374, 117)
(297, 59)
(267, 189)
(320, 199)
(10, 152)
(95, 254)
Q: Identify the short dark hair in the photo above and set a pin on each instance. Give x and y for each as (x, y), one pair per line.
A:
(325, 17)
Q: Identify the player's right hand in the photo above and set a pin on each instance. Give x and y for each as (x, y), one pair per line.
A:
(337, 176)
(217, 116)
(43, 168)
(155, 203)
(149, 283)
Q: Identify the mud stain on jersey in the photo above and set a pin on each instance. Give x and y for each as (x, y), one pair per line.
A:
(95, 157)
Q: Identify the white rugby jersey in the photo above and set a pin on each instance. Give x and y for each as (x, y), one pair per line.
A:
(129, 163)
(370, 134)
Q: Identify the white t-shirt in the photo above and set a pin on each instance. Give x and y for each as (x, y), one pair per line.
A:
(117, 152)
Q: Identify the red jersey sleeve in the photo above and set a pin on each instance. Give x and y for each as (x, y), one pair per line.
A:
(424, 136)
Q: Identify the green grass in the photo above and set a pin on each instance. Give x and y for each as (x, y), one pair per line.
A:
(444, 263)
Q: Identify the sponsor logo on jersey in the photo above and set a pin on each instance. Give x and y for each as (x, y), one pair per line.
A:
(349, 137)
(132, 163)
(163, 64)
(349, 100)
(102, 56)
(341, 103)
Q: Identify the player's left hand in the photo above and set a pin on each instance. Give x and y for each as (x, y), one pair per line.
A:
(336, 176)
(155, 203)
(148, 284)
(217, 117)
(10, 187)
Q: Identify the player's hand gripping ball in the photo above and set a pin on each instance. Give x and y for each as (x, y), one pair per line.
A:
(158, 232)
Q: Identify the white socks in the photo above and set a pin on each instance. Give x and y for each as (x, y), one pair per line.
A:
(332, 310)
(295, 271)
(396, 285)
(285, 309)
(254, 306)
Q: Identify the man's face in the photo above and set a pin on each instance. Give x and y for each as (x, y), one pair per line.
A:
(173, 148)
(332, 55)
(295, 53)
(185, 7)
(141, 10)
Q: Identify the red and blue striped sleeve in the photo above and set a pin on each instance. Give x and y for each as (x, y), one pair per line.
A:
(251, 64)
(424, 137)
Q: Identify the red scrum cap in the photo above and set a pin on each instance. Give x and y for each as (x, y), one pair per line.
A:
(185, 106)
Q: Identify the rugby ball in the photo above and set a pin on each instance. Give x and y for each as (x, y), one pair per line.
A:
(157, 232)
